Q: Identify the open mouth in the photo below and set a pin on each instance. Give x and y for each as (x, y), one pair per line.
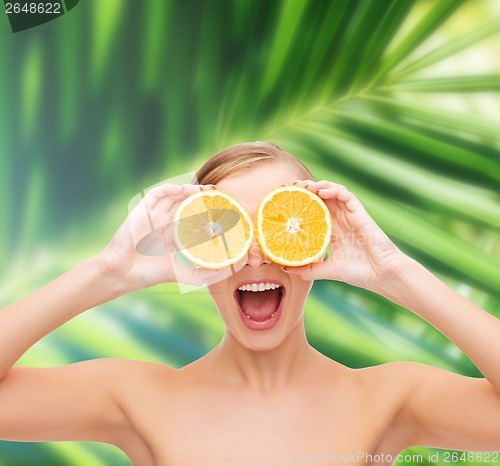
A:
(260, 303)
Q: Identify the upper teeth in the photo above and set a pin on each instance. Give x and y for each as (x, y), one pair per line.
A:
(259, 286)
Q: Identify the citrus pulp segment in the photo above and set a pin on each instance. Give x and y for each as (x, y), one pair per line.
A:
(293, 226)
(212, 229)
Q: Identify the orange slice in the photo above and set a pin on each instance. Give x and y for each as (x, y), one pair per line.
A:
(293, 226)
(212, 229)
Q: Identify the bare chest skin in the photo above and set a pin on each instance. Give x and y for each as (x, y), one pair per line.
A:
(195, 422)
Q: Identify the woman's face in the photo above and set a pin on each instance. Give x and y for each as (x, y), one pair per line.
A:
(259, 320)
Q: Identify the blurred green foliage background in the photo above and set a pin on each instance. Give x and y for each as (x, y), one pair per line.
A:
(396, 99)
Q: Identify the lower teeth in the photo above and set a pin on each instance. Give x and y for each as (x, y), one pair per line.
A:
(272, 315)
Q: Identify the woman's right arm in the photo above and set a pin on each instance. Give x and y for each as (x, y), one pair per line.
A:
(81, 401)
(25, 322)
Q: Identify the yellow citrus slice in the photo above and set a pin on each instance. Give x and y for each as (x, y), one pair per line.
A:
(212, 229)
(293, 226)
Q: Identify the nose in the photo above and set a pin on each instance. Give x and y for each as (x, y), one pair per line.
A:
(255, 256)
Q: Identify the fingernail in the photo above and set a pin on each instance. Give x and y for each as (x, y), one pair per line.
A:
(296, 181)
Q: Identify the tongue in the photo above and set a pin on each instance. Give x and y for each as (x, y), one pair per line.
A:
(259, 305)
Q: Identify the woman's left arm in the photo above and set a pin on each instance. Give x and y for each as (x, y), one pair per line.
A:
(443, 409)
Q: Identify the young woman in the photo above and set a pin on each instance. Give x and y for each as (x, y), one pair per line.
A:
(260, 397)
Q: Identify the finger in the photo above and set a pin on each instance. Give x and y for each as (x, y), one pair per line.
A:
(163, 212)
(316, 185)
(199, 276)
(314, 271)
(160, 240)
(350, 209)
(160, 205)
(167, 270)
(166, 195)
(169, 191)
(330, 193)
(218, 275)
(140, 220)
(154, 243)
(302, 183)
(342, 194)
(162, 190)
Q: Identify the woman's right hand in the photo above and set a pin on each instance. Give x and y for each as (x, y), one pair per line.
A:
(152, 216)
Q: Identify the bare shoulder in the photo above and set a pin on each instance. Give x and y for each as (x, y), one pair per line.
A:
(401, 373)
(406, 375)
(137, 376)
(135, 366)
(395, 381)
(86, 400)
(393, 385)
(130, 382)
(142, 389)
(129, 369)
(440, 408)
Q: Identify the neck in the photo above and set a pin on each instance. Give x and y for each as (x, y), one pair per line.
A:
(265, 371)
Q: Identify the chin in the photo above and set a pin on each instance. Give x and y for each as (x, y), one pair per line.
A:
(258, 343)
(260, 312)
(267, 335)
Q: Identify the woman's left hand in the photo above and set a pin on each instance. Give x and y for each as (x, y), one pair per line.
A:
(361, 254)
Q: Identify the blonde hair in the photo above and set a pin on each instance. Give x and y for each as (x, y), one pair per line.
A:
(243, 156)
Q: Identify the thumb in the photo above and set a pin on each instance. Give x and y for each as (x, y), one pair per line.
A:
(200, 276)
(314, 271)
